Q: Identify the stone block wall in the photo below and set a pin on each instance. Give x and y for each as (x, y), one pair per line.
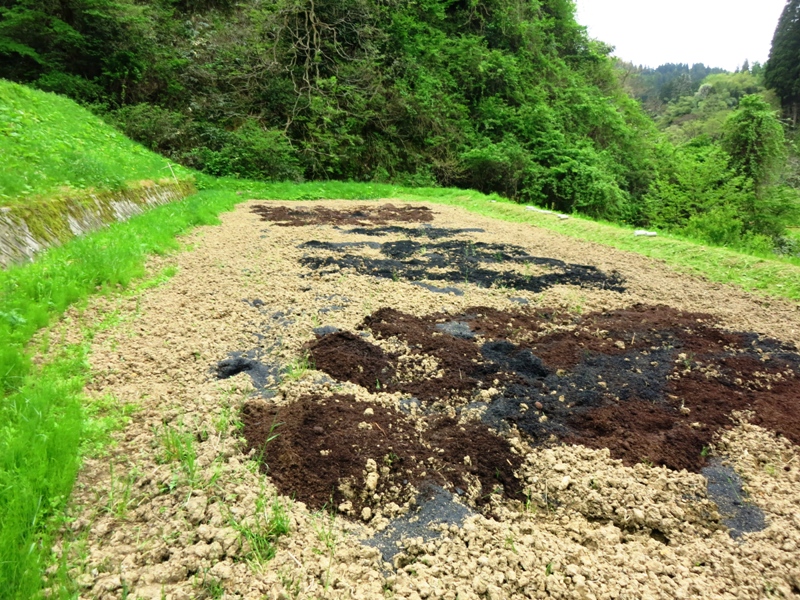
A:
(26, 230)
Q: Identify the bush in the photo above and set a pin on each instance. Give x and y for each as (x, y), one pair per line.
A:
(696, 180)
(157, 128)
(250, 152)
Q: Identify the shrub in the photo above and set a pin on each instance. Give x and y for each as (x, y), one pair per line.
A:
(249, 152)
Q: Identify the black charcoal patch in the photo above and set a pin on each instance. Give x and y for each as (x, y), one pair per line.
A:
(333, 298)
(409, 405)
(439, 290)
(328, 309)
(280, 319)
(459, 329)
(510, 358)
(264, 375)
(317, 245)
(725, 488)
(460, 261)
(435, 506)
(325, 330)
(424, 231)
(571, 395)
(401, 249)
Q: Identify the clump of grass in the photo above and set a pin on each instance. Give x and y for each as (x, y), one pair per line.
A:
(269, 523)
(120, 491)
(324, 525)
(178, 445)
(210, 587)
(297, 368)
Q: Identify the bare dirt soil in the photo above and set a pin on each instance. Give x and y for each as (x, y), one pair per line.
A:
(377, 400)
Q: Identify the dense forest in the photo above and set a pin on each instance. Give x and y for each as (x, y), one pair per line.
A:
(505, 96)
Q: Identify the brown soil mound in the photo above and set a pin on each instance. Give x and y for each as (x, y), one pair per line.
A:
(652, 384)
(284, 216)
(356, 360)
(334, 451)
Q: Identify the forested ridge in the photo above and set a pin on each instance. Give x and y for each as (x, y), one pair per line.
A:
(506, 96)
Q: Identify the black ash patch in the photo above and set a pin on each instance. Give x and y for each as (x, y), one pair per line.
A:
(458, 261)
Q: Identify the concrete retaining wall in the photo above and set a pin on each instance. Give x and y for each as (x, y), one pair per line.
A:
(29, 229)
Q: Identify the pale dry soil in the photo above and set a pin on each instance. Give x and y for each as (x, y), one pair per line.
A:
(167, 511)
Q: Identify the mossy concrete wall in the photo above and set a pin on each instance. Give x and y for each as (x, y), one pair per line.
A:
(26, 230)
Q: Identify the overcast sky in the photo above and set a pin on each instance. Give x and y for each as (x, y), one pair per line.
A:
(718, 33)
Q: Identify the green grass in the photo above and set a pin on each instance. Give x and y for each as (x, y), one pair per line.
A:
(43, 418)
(270, 522)
(49, 144)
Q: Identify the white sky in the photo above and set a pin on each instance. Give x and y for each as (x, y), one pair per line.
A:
(718, 33)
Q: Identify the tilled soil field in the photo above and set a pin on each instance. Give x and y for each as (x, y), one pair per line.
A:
(378, 400)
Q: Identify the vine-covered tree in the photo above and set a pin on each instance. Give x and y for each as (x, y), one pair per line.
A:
(755, 140)
(782, 71)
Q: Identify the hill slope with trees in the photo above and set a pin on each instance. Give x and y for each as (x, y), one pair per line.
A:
(510, 97)
(782, 71)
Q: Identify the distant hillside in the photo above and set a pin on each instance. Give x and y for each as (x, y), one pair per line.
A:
(705, 111)
(50, 145)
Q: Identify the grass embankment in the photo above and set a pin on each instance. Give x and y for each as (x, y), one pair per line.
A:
(50, 146)
(43, 421)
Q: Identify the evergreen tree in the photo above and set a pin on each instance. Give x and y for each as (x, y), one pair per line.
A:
(782, 71)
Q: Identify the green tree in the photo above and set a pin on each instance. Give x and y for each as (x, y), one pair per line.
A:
(782, 70)
(753, 136)
(754, 139)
